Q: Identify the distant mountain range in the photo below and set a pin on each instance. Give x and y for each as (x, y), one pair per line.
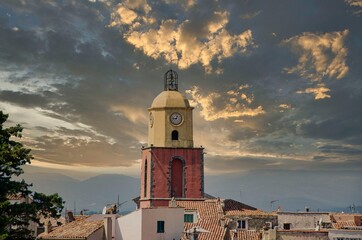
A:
(93, 193)
(284, 190)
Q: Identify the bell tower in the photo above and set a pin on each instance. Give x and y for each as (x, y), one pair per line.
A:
(170, 117)
(171, 166)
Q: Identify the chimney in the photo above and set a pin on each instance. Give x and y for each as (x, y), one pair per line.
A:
(108, 227)
(47, 226)
(69, 217)
(222, 222)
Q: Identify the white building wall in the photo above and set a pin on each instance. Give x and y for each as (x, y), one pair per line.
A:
(142, 224)
(129, 227)
(302, 220)
(174, 223)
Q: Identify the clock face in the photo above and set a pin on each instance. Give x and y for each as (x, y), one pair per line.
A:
(151, 119)
(176, 118)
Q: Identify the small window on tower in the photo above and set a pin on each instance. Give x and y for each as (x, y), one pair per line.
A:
(174, 135)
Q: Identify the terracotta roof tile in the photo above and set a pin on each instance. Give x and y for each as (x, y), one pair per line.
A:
(210, 211)
(209, 215)
(76, 229)
(343, 224)
(15, 197)
(209, 208)
(340, 221)
(233, 208)
(246, 235)
(216, 231)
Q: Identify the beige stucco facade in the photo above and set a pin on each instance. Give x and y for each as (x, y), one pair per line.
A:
(160, 127)
(302, 220)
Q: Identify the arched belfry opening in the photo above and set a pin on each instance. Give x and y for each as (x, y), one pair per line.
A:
(174, 135)
(177, 178)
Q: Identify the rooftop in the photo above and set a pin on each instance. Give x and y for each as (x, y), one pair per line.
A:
(81, 229)
(211, 213)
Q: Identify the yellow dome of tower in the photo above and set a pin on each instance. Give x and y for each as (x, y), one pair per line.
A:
(170, 117)
(170, 99)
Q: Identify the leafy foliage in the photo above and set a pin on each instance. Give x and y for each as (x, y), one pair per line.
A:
(16, 217)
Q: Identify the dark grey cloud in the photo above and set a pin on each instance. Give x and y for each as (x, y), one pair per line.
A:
(236, 165)
(340, 150)
(60, 56)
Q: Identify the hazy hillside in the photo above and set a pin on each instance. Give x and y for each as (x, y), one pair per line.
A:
(292, 190)
(93, 193)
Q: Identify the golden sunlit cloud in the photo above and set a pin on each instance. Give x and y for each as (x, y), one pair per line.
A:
(321, 56)
(284, 107)
(132, 114)
(320, 91)
(185, 3)
(234, 104)
(356, 4)
(173, 40)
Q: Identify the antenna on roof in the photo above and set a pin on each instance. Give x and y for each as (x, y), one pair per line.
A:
(272, 203)
(113, 208)
(74, 207)
(352, 207)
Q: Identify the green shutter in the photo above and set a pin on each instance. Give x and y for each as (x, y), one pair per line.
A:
(189, 218)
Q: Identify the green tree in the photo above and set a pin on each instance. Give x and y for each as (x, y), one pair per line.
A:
(15, 218)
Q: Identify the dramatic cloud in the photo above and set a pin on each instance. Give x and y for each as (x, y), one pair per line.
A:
(80, 75)
(321, 56)
(234, 104)
(284, 106)
(320, 91)
(356, 4)
(175, 40)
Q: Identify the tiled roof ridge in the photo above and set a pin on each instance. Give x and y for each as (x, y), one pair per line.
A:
(67, 231)
(243, 204)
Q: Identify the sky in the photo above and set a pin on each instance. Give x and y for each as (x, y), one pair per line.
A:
(276, 85)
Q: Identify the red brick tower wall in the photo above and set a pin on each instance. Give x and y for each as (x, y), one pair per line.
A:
(158, 180)
(177, 178)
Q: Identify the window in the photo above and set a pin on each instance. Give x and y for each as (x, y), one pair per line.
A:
(286, 226)
(188, 218)
(160, 226)
(174, 135)
(242, 224)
